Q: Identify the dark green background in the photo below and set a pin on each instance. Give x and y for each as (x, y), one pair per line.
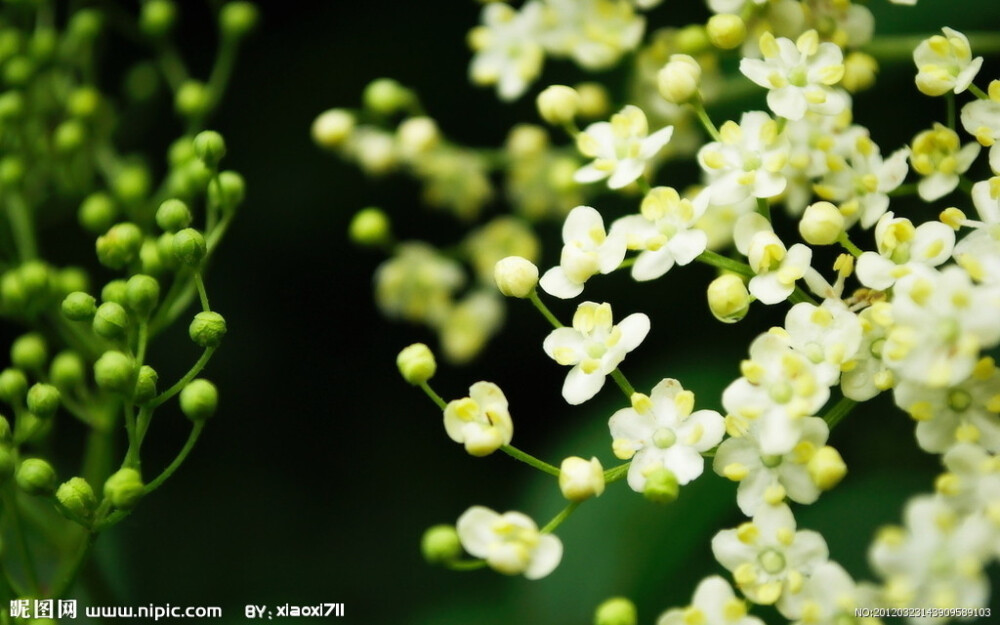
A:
(322, 469)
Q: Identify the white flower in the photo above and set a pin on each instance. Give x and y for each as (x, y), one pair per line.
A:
(936, 561)
(621, 148)
(665, 232)
(799, 75)
(732, 6)
(593, 347)
(470, 324)
(971, 486)
(594, 33)
(767, 557)
(510, 543)
(660, 431)
(417, 284)
(979, 254)
(769, 478)
(860, 180)
(945, 63)
(938, 156)
(965, 413)
(714, 603)
(480, 421)
(900, 246)
(865, 376)
(587, 250)
(777, 268)
(828, 335)
(981, 119)
(508, 53)
(779, 386)
(748, 160)
(941, 322)
(828, 597)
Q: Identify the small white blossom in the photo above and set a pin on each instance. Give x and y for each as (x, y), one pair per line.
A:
(714, 603)
(748, 160)
(621, 148)
(981, 119)
(510, 543)
(766, 479)
(865, 376)
(799, 75)
(661, 431)
(767, 557)
(587, 250)
(938, 156)
(945, 63)
(828, 335)
(828, 597)
(594, 347)
(665, 232)
(971, 486)
(777, 268)
(900, 246)
(480, 421)
(594, 33)
(508, 53)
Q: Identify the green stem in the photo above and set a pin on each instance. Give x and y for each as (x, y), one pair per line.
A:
(903, 190)
(465, 565)
(23, 548)
(434, 396)
(847, 244)
(965, 184)
(178, 461)
(839, 410)
(66, 579)
(202, 293)
(559, 518)
(901, 47)
(979, 93)
(721, 262)
(542, 308)
(179, 386)
(528, 459)
(22, 227)
(615, 474)
(706, 121)
(623, 383)
(950, 115)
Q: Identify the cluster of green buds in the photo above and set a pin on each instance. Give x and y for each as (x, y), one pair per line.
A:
(85, 352)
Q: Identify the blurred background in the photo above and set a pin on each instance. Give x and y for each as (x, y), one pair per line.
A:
(320, 472)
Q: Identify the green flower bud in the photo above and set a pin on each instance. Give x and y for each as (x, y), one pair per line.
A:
(661, 486)
(558, 104)
(124, 488)
(210, 147)
(822, 224)
(692, 39)
(29, 352)
(69, 136)
(386, 96)
(43, 400)
(165, 248)
(67, 370)
(173, 215)
(83, 102)
(416, 363)
(11, 171)
(332, 128)
(13, 386)
(370, 227)
(44, 43)
(36, 278)
(115, 372)
(181, 152)
(199, 400)
(228, 191)
(72, 279)
(97, 213)
(440, 544)
(11, 105)
(142, 293)
(115, 291)
(728, 298)
(207, 329)
(86, 24)
(193, 99)
(7, 462)
(120, 245)
(12, 290)
(79, 306)
(189, 247)
(18, 71)
(149, 257)
(237, 19)
(190, 179)
(726, 31)
(157, 18)
(36, 477)
(145, 384)
(111, 321)
(132, 183)
(616, 611)
(5, 433)
(76, 496)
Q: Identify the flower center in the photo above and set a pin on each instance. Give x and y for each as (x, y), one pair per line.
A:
(664, 438)
(959, 400)
(798, 77)
(596, 349)
(770, 461)
(876, 347)
(772, 561)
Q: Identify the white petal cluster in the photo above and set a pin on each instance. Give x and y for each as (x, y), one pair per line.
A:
(664, 231)
(508, 52)
(660, 431)
(777, 268)
(747, 161)
(713, 603)
(594, 33)
(621, 148)
(900, 246)
(480, 421)
(799, 75)
(945, 63)
(981, 119)
(939, 157)
(510, 543)
(587, 250)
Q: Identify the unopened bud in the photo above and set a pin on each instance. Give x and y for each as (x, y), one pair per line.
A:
(822, 224)
(440, 544)
(616, 611)
(416, 363)
(207, 329)
(678, 80)
(826, 468)
(661, 486)
(515, 276)
(726, 31)
(581, 479)
(124, 488)
(36, 477)
(558, 104)
(728, 298)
